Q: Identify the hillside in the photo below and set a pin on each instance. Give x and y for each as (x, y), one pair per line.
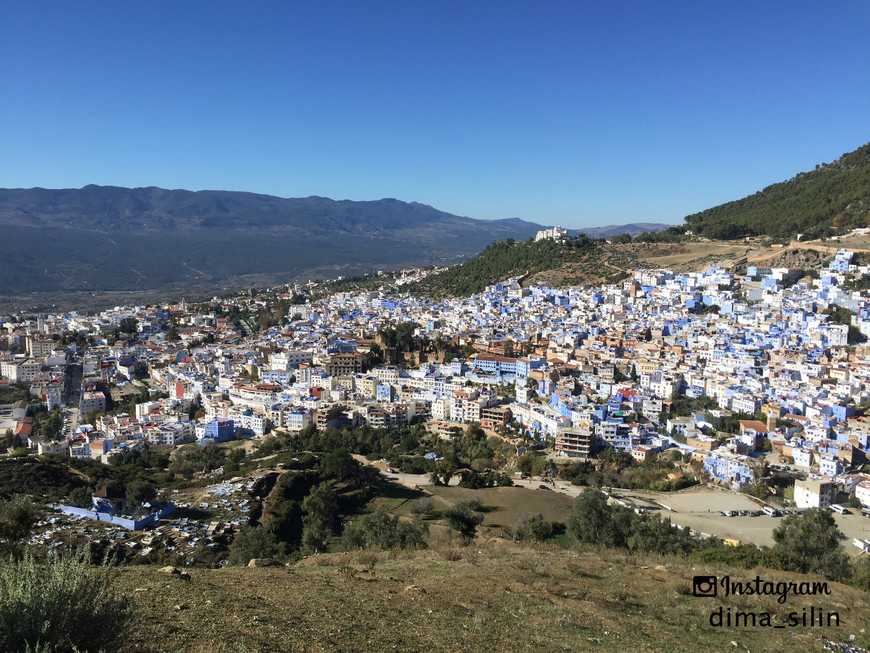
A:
(101, 238)
(502, 260)
(833, 197)
(577, 261)
(491, 596)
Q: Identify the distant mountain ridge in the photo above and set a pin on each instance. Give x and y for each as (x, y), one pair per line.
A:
(609, 231)
(109, 238)
(144, 209)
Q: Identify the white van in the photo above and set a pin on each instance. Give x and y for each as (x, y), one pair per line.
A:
(770, 512)
(840, 509)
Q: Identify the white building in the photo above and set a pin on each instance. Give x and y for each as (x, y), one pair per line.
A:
(862, 493)
(813, 494)
(556, 233)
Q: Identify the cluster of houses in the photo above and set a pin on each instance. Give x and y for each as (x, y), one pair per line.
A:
(584, 367)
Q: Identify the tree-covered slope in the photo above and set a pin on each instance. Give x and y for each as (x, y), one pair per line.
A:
(502, 260)
(833, 197)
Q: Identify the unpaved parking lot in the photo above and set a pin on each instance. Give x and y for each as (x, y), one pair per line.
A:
(698, 508)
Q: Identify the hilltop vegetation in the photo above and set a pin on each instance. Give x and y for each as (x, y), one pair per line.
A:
(833, 197)
(501, 260)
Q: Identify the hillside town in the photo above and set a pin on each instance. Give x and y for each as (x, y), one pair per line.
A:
(742, 374)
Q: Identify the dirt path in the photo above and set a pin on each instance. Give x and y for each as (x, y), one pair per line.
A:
(824, 249)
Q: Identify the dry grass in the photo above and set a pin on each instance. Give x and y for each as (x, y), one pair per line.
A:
(490, 596)
(504, 505)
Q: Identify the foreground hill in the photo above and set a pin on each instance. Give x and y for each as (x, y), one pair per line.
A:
(109, 238)
(491, 596)
(834, 196)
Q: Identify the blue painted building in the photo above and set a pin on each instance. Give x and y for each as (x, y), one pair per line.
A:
(218, 430)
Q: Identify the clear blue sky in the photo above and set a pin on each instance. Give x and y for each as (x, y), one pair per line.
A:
(571, 113)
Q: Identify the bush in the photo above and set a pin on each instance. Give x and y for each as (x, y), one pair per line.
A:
(59, 606)
(861, 574)
(746, 556)
(385, 531)
(422, 506)
(252, 542)
(530, 527)
(17, 517)
(463, 519)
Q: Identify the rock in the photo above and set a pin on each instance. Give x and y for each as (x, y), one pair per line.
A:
(181, 606)
(169, 570)
(264, 562)
(661, 568)
(415, 588)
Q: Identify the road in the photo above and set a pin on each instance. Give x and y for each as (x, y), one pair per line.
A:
(824, 249)
(73, 384)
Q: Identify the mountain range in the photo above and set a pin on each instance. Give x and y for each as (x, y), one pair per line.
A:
(105, 238)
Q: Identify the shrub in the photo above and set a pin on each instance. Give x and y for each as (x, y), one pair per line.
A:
(463, 519)
(422, 506)
(17, 517)
(62, 605)
(252, 542)
(530, 527)
(385, 531)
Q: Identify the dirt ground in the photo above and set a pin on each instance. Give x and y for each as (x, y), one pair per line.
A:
(698, 508)
(492, 596)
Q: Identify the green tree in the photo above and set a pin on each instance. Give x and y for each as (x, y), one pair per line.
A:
(17, 517)
(810, 543)
(759, 489)
(81, 496)
(213, 457)
(462, 518)
(252, 542)
(319, 509)
(508, 347)
(589, 521)
(140, 491)
(129, 325)
(385, 531)
(339, 464)
(172, 334)
(531, 527)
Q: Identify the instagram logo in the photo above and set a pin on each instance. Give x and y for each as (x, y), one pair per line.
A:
(704, 586)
